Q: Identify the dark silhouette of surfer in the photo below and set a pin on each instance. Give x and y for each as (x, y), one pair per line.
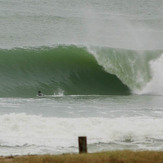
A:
(40, 93)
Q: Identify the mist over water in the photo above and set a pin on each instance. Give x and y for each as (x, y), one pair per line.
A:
(127, 24)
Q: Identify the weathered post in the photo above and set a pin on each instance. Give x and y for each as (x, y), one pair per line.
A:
(82, 141)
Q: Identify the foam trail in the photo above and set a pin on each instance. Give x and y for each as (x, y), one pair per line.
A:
(155, 85)
(20, 129)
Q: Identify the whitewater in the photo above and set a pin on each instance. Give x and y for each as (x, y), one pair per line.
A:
(99, 66)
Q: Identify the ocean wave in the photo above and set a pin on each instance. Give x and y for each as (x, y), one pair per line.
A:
(71, 69)
(75, 70)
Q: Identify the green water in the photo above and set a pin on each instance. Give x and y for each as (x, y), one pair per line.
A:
(68, 68)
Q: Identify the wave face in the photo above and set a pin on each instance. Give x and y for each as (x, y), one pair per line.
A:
(132, 67)
(73, 69)
(70, 69)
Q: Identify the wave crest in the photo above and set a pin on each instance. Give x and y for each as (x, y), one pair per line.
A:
(69, 68)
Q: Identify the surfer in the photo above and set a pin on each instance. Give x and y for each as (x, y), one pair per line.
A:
(40, 93)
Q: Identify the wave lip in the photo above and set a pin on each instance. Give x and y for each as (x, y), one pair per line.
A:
(132, 67)
(71, 69)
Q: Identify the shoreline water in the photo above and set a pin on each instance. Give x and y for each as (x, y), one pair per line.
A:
(52, 125)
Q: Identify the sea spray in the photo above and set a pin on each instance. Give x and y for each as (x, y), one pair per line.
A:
(155, 86)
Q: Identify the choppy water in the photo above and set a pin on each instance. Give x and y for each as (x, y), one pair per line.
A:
(99, 64)
(53, 124)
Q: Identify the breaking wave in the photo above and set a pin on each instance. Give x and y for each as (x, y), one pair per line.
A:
(73, 70)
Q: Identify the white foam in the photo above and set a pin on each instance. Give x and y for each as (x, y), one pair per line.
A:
(22, 129)
(155, 86)
(59, 92)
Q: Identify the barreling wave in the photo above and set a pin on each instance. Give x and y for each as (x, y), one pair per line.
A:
(73, 70)
(49, 69)
(132, 67)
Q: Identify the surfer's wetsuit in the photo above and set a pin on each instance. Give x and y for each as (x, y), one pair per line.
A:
(39, 93)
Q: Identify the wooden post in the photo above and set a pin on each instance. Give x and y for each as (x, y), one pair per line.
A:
(82, 141)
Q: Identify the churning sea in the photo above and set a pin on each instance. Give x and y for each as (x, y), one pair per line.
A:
(98, 64)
